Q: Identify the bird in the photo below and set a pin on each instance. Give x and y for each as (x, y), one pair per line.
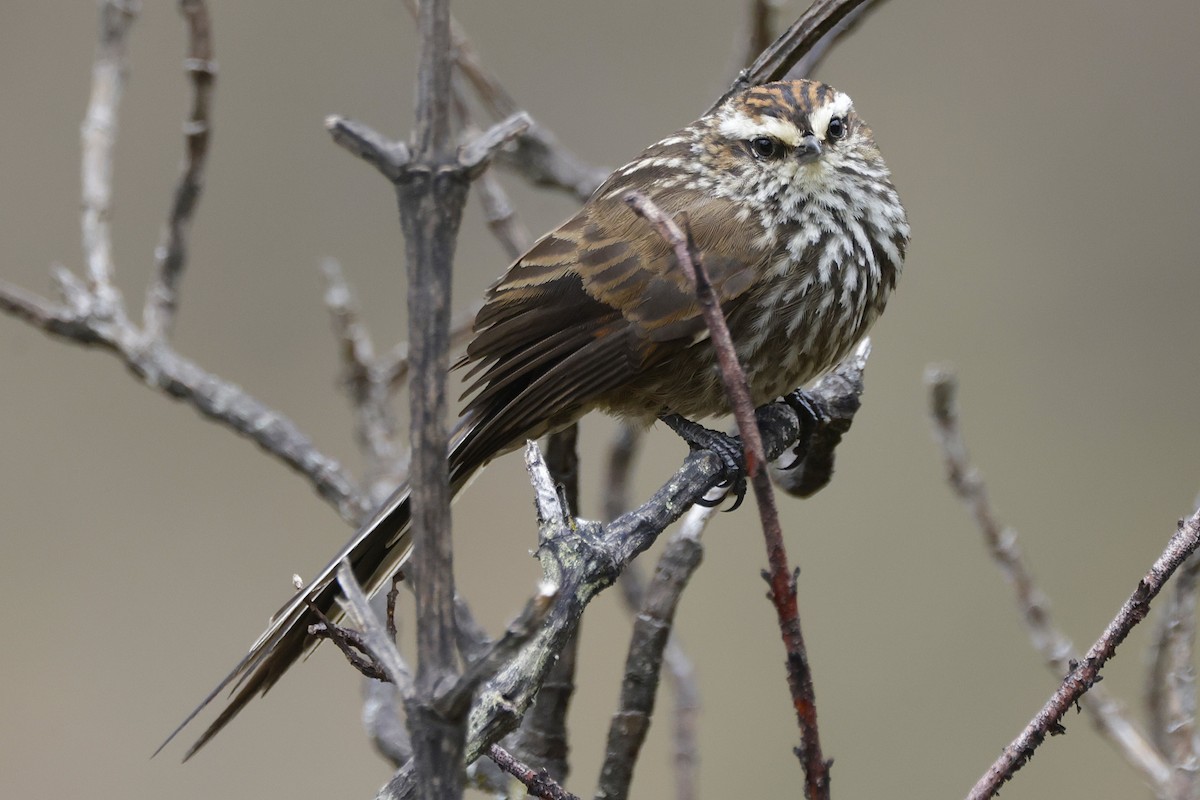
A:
(797, 223)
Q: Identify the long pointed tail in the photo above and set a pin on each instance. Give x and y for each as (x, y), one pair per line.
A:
(376, 551)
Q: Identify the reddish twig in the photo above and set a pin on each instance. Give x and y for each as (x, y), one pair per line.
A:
(1085, 673)
(351, 643)
(778, 575)
(538, 782)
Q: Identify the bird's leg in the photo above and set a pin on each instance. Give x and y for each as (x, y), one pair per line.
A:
(727, 448)
(810, 416)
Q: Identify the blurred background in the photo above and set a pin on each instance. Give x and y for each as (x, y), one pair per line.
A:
(1046, 153)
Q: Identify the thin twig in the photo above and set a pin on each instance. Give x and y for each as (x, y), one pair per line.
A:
(383, 707)
(163, 369)
(779, 577)
(542, 738)
(387, 156)
(810, 62)
(393, 367)
(1085, 674)
(538, 782)
(775, 62)
(369, 387)
(93, 313)
(1109, 718)
(1171, 684)
(538, 155)
(498, 211)
(162, 296)
(350, 642)
(644, 661)
(478, 151)
(685, 747)
(760, 29)
(99, 138)
(375, 639)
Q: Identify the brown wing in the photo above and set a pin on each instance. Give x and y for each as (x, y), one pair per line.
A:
(589, 307)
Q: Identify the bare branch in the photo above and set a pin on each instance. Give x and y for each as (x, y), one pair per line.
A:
(369, 387)
(383, 720)
(49, 317)
(1050, 643)
(1086, 673)
(538, 155)
(539, 783)
(389, 157)
(93, 313)
(685, 747)
(774, 63)
(542, 738)
(651, 634)
(476, 153)
(453, 701)
(760, 29)
(1171, 684)
(99, 137)
(379, 645)
(431, 192)
(162, 296)
(810, 62)
(161, 368)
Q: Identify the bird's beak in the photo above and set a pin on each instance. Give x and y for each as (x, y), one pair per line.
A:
(809, 149)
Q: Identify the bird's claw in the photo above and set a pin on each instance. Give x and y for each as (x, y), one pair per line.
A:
(810, 416)
(727, 448)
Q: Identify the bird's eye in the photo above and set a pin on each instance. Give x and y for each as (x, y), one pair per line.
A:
(763, 147)
(837, 128)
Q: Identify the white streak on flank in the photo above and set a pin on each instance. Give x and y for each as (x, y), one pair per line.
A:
(738, 126)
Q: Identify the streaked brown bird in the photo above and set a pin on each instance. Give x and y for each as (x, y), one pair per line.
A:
(798, 225)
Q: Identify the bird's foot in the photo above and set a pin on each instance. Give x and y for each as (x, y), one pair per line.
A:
(810, 416)
(727, 448)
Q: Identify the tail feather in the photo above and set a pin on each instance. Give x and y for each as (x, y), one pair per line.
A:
(375, 552)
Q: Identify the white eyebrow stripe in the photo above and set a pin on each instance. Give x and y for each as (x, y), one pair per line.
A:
(743, 128)
(839, 106)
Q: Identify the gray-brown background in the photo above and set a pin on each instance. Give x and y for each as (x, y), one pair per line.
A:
(1046, 152)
